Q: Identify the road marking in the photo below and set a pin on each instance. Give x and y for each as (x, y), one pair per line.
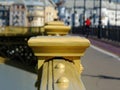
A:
(106, 52)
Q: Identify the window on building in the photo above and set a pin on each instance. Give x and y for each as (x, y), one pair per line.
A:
(1, 13)
(6, 13)
(23, 7)
(23, 17)
(17, 6)
(35, 18)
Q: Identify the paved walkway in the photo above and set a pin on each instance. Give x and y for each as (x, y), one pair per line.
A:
(101, 71)
(15, 76)
(110, 47)
(101, 66)
(101, 63)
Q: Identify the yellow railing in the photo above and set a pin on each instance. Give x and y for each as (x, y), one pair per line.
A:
(13, 31)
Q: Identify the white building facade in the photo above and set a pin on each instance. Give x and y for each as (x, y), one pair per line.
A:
(28, 13)
(18, 15)
(110, 12)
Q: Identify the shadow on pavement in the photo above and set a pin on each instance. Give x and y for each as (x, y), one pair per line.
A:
(102, 76)
(18, 65)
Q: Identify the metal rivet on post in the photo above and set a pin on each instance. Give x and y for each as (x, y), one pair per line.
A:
(63, 82)
(60, 66)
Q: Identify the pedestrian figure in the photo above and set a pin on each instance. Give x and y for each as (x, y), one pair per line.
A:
(87, 27)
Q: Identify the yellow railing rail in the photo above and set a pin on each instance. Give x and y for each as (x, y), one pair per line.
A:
(13, 31)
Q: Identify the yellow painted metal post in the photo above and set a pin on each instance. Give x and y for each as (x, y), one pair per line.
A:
(67, 47)
(56, 28)
(59, 65)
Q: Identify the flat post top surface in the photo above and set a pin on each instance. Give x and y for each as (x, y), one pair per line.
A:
(58, 41)
(58, 45)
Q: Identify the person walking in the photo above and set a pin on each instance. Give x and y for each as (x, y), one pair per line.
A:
(87, 26)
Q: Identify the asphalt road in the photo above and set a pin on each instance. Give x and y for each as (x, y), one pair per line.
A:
(101, 70)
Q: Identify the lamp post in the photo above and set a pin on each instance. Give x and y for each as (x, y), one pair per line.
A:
(100, 23)
(116, 13)
(84, 12)
(73, 25)
(94, 12)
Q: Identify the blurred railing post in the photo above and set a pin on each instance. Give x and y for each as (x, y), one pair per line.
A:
(100, 23)
(84, 14)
